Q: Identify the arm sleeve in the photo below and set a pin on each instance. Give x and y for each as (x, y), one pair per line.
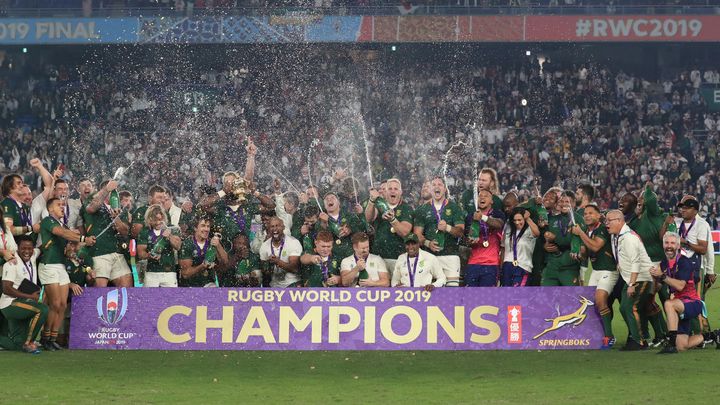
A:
(346, 264)
(651, 203)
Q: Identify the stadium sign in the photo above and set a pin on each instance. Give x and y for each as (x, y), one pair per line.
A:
(336, 319)
(30, 31)
(312, 28)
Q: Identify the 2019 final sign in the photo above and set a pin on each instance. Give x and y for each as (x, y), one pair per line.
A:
(336, 319)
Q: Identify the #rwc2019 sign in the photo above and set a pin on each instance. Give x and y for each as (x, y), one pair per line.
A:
(336, 319)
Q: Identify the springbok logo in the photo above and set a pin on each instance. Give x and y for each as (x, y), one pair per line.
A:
(114, 307)
(574, 318)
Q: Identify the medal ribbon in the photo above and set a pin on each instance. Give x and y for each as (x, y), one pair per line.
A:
(25, 219)
(240, 221)
(411, 271)
(484, 228)
(204, 249)
(515, 238)
(324, 266)
(438, 214)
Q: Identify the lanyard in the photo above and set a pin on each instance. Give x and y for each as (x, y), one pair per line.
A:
(411, 271)
(683, 232)
(30, 271)
(272, 248)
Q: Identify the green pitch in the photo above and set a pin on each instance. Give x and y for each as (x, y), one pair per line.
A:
(548, 377)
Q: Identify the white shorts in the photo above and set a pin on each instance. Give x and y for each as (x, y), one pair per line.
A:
(390, 265)
(110, 266)
(450, 266)
(53, 274)
(604, 280)
(583, 270)
(163, 279)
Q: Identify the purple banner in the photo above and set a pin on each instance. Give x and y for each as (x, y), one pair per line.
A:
(336, 319)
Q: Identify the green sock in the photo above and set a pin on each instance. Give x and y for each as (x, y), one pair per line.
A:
(607, 317)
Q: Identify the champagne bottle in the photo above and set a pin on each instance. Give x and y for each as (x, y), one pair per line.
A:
(308, 244)
(440, 239)
(382, 205)
(242, 268)
(475, 229)
(334, 227)
(114, 199)
(211, 255)
(160, 245)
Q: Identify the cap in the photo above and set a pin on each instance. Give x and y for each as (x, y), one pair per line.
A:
(412, 238)
(690, 203)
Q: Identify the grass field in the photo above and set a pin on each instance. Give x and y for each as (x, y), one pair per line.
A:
(548, 377)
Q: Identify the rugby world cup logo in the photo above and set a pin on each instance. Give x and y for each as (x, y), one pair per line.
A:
(112, 306)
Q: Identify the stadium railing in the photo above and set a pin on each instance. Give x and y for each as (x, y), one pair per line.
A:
(23, 11)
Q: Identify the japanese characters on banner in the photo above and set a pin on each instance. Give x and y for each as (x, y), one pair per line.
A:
(336, 319)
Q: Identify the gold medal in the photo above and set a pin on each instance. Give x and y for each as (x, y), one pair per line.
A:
(392, 229)
(515, 263)
(486, 243)
(338, 241)
(124, 246)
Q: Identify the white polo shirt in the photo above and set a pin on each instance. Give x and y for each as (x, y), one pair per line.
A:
(292, 247)
(631, 256)
(695, 230)
(17, 273)
(374, 265)
(525, 247)
(428, 269)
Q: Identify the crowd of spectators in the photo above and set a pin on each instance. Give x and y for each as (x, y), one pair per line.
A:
(561, 124)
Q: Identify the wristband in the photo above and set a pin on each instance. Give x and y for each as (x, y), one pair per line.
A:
(394, 220)
(221, 193)
(82, 238)
(484, 218)
(28, 229)
(426, 243)
(371, 201)
(448, 228)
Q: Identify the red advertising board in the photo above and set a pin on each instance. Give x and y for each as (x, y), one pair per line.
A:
(582, 28)
(637, 28)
